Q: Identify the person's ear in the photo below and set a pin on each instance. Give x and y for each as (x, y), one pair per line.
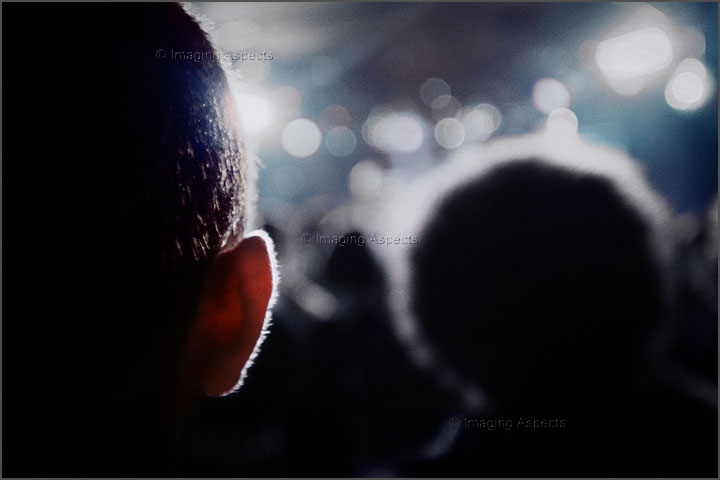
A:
(230, 321)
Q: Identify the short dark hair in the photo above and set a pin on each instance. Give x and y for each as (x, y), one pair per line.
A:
(143, 157)
(186, 166)
(137, 148)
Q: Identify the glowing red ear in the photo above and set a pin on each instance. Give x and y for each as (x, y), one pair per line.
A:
(231, 316)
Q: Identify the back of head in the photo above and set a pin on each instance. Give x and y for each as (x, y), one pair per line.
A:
(539, 283)
(133, 178)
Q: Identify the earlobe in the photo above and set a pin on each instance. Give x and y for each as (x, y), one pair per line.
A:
(230, 320)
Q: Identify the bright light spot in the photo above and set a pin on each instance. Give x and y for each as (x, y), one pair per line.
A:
(317, 301)
(301, 138)
(635, 54)
(325, 70)
(365, 179)
(689, 86)
(334, 116)
(450, 133)
(549, 94)
(562, 122)
(400, 132)
(481, 121)
(376, 115)
(288, 100)
(381, 134)
(340, 141)
(256, 112)
(432, 89)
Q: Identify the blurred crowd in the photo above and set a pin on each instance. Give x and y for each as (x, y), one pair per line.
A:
(530, 301)
(496, 229)
(429, 305)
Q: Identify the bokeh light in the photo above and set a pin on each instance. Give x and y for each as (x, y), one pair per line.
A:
(561, 122)
(399, 132)
(689, 87)
(549, 94)
(449, 133)
(301, 138)
(376, 115)
(625, 59)
(481, 122)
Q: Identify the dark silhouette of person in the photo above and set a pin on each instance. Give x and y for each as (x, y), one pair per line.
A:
(543, 284)
(695, 266)
(137, 287)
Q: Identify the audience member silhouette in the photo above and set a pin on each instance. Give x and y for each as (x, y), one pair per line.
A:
(544, 286)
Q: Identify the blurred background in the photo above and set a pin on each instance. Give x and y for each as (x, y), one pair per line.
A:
(358, 96)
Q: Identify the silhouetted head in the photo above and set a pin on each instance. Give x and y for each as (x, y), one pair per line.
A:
(148, 285)
(537, 274)
(538, 282)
